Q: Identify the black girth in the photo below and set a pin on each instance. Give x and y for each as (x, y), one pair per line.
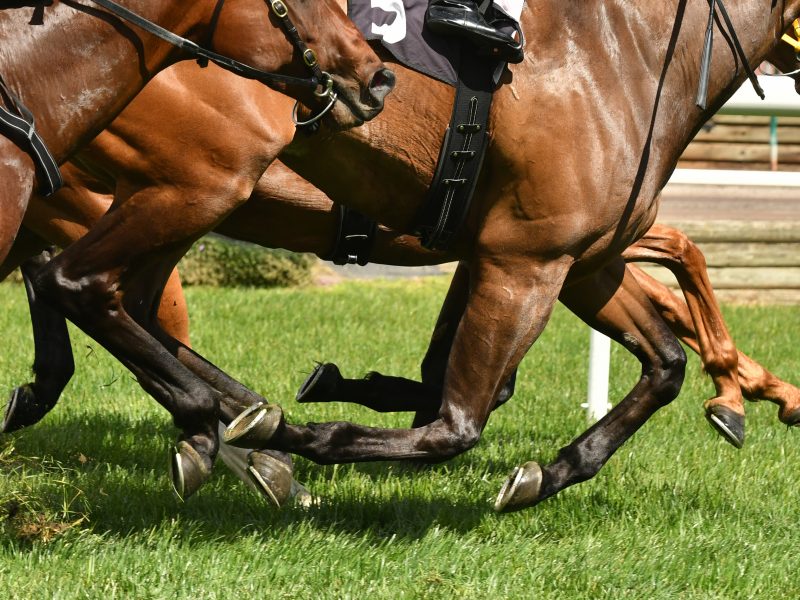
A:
(354, 238)
(461, 157)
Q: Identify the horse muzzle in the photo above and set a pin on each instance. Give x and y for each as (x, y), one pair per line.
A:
(366, 102)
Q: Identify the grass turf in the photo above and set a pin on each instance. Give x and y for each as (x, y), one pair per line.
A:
(86, 509)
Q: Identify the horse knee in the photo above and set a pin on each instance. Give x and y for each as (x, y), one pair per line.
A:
(73, 296)
(669, 371)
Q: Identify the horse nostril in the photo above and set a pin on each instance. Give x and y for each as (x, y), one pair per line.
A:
(382, 83)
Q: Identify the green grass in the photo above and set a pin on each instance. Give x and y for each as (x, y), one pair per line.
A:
(86, 509)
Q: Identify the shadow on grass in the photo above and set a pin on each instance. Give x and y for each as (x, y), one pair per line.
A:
(127, 492)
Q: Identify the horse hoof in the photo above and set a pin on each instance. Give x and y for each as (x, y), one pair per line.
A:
(728, 423)
(189, 470)
(322, 385)
(790, 418)
(521, 489)
(254, 427)
(22, 409)
(271, 477)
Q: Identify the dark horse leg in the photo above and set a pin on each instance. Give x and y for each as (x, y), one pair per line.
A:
(611, 302)
(386, 393)
(484, 353)
(110, 287)
(509, 304)
(53, 364)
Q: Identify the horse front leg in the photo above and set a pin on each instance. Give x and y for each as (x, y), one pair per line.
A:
(673, 249)
(611, 302)
(509, 303)
(53, 365)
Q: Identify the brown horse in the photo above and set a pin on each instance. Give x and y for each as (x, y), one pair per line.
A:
(95, 63)
(140, 138)
(283, 198)
(102, 62)
(531, 235)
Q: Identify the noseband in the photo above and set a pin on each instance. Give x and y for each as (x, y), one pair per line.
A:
(320, 80)
(325, 89)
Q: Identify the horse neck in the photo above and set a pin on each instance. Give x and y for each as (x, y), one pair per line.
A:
(100, 63)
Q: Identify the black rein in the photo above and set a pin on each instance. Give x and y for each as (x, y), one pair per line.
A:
(229, 64)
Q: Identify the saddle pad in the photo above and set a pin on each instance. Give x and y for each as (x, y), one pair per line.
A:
(399, 25)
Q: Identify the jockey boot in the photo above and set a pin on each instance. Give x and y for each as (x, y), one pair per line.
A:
(463, 19)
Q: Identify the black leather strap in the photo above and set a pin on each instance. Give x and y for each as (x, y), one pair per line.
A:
(200, 53)
(461, 158)
(18, 125)
(354, 239)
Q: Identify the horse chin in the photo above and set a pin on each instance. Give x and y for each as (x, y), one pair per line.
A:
(342, 117)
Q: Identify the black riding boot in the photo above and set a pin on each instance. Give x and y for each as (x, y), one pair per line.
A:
(462, 18)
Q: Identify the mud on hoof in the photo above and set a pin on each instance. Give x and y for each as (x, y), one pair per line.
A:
(322, 384)
(23, 409)
(254, 426)
(189, 470)
(521, 489)
(729, 424)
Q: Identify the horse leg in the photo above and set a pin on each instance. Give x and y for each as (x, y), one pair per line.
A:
(53, 364)
(509, 304)
(756, 382)
(386, 393)
(92, 282)
(671, 248)
(611, 302)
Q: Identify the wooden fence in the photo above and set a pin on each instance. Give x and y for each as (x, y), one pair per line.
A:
(743, 142)
(748, 261)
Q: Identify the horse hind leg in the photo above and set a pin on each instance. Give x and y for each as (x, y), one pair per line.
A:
(673, 249)
(613, 303)
(506, 310)
(53, 365)
(756, 382)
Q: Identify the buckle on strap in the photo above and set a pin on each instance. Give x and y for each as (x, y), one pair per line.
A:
(279, 8)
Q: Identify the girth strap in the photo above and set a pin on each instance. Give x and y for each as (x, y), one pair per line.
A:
(19, 126)
(461, 157)
(354, 238)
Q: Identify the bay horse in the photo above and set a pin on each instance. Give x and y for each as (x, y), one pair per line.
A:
(97, 61)
(531, 235)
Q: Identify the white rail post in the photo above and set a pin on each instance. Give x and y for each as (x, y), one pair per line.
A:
(599, 367)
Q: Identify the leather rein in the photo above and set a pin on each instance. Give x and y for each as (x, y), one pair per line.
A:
(320, 80)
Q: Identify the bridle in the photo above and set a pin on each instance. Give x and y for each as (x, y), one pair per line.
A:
(321, 81)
